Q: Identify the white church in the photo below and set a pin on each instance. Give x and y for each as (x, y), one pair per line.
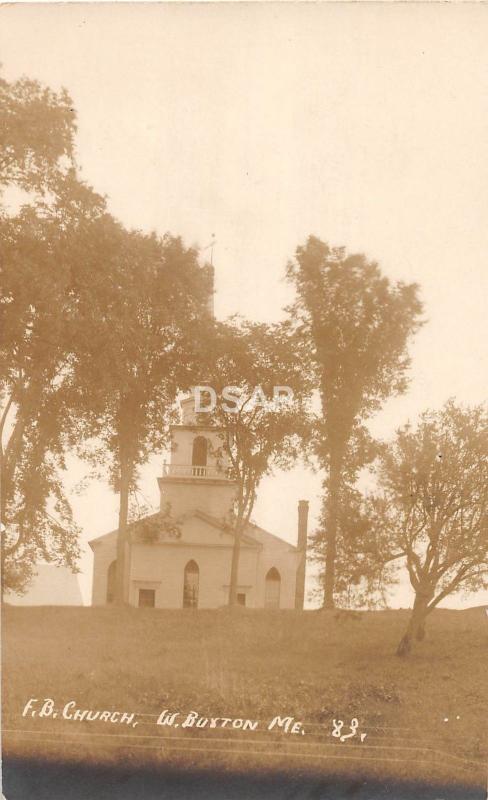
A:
(188, 564)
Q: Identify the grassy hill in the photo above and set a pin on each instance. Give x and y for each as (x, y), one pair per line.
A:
(312, 666)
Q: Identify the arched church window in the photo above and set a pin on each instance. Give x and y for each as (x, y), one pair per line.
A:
(272, 588)
(199, 455)
(111, 578)
(190, 585)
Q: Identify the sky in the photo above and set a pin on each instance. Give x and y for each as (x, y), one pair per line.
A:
(262, 123)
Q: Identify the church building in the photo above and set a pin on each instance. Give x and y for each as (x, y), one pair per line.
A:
(181, 556)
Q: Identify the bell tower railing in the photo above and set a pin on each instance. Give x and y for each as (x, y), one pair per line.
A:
(192, 471)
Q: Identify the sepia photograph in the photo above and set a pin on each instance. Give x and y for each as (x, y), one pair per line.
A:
(243, 400)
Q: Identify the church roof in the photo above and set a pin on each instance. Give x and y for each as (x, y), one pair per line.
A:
(130, 526)
(247, 538)
(252, 526)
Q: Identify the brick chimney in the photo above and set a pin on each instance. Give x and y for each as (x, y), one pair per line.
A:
(302, 554)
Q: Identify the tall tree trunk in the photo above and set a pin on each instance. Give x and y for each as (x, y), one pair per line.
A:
(415, 627)
(244, 506)
(234, 567)
(420, 633)
(331, 529)
(10, 458)
(121, 587)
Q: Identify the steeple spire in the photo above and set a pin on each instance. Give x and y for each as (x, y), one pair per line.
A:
(210, 302)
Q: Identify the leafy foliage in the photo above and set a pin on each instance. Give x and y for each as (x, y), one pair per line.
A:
(257, 433)
(365, 573)
(143, 300)
(37, 129)
(157, 527)
(433, 506)
(39, 247)
(356, 325)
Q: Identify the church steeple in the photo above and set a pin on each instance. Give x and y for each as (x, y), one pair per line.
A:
(211, 270)
(198, 473)
(210, 302)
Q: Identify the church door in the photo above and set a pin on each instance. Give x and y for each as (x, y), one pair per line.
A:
(272, 589)
(190, 585)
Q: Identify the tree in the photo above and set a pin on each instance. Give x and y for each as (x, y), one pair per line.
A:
(258, 432)
(39, 246)
(144, 304)
(37, 130)
(433, 507)
(357, 326)
(365, 571)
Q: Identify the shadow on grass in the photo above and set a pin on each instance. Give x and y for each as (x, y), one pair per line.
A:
(24, 779)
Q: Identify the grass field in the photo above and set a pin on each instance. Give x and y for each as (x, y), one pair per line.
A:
(312, 666)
